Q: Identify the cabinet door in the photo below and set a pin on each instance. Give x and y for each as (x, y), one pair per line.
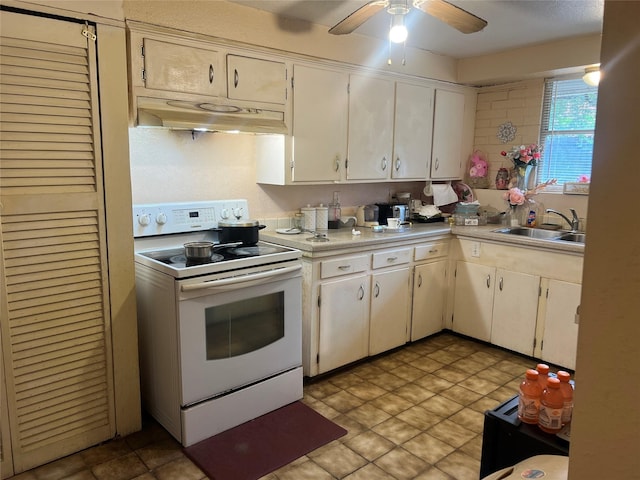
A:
(446, 157)
(182, 68)
(257, 80)
(473, 301)
(412, 131)
(429, 288)
(320, 111)
(344, 322)
(390, 301)
(370, 128)
(560, 338)
(515, 308)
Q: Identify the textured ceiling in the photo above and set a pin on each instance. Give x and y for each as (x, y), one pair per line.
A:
(511, 23)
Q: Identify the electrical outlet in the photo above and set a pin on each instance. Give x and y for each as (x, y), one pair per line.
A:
(475, 249)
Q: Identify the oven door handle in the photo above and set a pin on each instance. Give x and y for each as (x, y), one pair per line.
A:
(245, 281)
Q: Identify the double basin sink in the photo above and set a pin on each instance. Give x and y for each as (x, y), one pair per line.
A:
(539, 234)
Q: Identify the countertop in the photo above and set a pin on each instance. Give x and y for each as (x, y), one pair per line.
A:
(343, 239)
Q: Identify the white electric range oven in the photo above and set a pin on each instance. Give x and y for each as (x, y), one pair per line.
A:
(220, 339)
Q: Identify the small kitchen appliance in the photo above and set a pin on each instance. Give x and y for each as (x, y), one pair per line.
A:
(367, 216)
(391, 210)
(220, 332)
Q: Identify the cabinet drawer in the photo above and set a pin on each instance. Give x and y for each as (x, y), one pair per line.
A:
(344, 266)
(431, 250)
(391, 257)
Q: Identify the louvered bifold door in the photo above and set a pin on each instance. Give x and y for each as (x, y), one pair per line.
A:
(55, 318)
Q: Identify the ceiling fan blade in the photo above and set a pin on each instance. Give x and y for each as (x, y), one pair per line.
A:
(450, 14)
(358, 17)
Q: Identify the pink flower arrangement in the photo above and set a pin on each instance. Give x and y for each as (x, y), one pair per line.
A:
(524, 155)
(515, 196)
(584, 179)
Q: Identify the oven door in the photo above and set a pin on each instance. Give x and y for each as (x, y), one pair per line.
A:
(238, 330)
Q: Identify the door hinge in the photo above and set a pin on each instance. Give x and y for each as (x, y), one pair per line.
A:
(88, 33)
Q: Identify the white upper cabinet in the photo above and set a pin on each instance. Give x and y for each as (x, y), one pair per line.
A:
(370, 135)
(320, 112)
(412, 131)
(448, 128)
(183, 68)
(256, 80)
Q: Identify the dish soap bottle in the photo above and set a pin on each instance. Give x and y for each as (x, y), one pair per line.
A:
(334, 211)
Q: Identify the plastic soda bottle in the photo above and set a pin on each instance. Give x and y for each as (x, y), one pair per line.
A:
(551, 407)
(529, 398)
(567, 394)
(543, 370)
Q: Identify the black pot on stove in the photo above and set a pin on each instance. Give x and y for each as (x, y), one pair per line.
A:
(245, 231)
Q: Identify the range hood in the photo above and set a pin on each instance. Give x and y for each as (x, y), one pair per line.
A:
(187, 115)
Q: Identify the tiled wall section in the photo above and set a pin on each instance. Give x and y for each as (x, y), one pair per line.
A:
(519, 103)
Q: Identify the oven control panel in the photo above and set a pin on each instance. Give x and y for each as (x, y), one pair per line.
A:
(163, 218)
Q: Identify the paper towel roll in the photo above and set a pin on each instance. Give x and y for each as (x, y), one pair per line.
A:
(443, 194)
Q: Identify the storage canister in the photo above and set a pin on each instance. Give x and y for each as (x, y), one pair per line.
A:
(322, 217)
(309, 213)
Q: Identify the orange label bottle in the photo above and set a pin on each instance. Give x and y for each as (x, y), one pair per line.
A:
(567, 394)
(529, 398)
(543, 371)
(551, 406)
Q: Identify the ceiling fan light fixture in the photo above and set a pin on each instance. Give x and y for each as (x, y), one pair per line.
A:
(591, 76)
(398, 32)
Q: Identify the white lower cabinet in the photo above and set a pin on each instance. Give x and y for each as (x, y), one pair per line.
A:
(560, 337)
(524, 311)
(390, 310)
(515, 307)
(429, 290)
(344, 322)
(473, 304)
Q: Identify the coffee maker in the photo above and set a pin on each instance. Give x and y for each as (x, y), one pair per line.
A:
(393, 210)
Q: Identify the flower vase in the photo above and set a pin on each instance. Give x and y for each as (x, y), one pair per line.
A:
(524, 178)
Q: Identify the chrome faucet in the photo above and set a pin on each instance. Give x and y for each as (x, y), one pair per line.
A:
(574, 223)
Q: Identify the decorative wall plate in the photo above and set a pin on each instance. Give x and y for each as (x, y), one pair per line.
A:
(506, 132)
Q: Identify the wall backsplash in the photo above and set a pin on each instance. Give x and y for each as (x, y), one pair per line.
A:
(176, 166)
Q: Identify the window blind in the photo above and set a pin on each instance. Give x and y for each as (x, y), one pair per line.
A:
(568, 124)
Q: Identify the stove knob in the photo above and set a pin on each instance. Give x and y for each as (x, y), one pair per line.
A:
(144, 219)
(237, 212)
(224, 213)
(161, 218)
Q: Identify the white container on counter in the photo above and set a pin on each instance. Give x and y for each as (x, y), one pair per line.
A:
(322, 217)
(309, 213)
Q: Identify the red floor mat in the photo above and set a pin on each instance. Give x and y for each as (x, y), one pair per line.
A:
(260, 446)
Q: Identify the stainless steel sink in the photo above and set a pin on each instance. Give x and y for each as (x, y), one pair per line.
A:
(531, 232)
(572, 237)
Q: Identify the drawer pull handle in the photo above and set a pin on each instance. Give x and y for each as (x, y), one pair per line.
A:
(501, 283)
(235, 78)
(488, 281)
(337, 163)
(384, 163)
(419, 280)
(361, 293)
(344, 267)
(377, 290)
(397, 164)
(433, 251)
(210, 73)
(391, 259)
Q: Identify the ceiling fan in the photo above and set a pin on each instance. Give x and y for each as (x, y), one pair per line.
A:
(448, 13)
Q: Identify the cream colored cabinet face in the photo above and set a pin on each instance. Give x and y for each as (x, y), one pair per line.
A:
(344, 322)
(448, 121)
(370, 134)
(560, 338)
(515, 308)
(181, 68)
(473, 302)
(412, 131)
(429, 289)
(320, 111)
(390, 301)
(253, 79)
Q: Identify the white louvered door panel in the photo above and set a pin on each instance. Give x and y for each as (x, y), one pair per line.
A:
(55, 314)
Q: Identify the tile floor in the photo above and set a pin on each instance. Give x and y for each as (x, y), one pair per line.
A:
(414, 413)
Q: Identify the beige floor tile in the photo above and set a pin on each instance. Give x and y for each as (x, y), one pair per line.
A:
(368, 415)
(83, 475)
(180, 469)
(451, 433)
(145, 476)
(370, 445)
(368, 472)
(121, 468)
(484, 404)
(496, 376)
(343, 401)
(462, 348)
(419, 418)
(368, 371)
(387, 362)
(428, 448)
(434, 383)
(159, 453)
(468, 365)
(408, 372)
(60, 469)
(461, 395)
(321, 390)
(503, 394)
(107, 451)
(479, 385)
(426, 364)
(452, 374)
(151, 432)
(388, 381)
(434, 474)
(321, 407)
(352, 427)
(414, 393)
(340, 460)
(473, 447)
(460, 466)
(401, 464)
(304, 470)
(469, 419)
(366, 391)
(511, 366)
(443, 356)
(441, 406)
(345, 380)
(405, 355)
(396, 430)
(391, 403)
